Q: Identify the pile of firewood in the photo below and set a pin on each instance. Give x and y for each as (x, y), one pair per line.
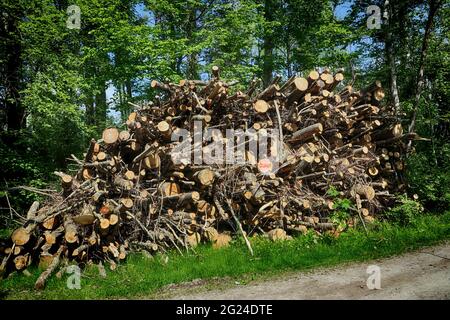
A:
(129, 193)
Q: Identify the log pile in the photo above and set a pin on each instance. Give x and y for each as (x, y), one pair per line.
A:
(130, 194)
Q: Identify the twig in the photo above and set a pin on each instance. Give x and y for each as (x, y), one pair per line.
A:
(359, 206)
(280, 124)
(199, 105)
(249, 246)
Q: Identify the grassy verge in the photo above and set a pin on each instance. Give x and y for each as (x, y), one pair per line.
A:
(141, 276)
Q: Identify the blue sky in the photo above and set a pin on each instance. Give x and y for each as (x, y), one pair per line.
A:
(342, 10)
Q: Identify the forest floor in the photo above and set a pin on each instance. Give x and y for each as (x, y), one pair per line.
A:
(423, 274)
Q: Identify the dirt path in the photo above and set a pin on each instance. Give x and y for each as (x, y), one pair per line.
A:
(424, 274)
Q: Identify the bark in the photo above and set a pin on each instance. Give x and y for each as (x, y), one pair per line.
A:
(269, 43)
(390, 57)
(192, 67)
(101, 107)
(434, 8)
(129, 87)
(90, 109)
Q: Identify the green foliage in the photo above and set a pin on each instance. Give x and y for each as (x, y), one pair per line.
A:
(341, 213)
(19, 169)
(55, 122)
(406, 212)
(429, 180)
(341, 208)
(428, 168)
(333, 192)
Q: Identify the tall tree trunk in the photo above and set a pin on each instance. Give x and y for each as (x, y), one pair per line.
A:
(289, 57)
(90, 109)
(123, 111)
(192, 63)
(129, 87)
(192, 72)
(390, 58)
(434, 7)
(268, 42)
(129, 90)
(179, 62)
(101, 108)
(12, 68)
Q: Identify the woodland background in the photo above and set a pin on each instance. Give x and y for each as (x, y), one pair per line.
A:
(59, 87)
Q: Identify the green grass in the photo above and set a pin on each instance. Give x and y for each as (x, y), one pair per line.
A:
(141, 276)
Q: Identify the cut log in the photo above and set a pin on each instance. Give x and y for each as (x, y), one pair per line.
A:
(164, 128)
(79, 250)
(104, 224)
(129, 175)
(110, 136)
(17, 250)
(313, 76)
(124, 135)
(205, 177)
(307, 132)
(49, 223)
(31, 214)
(20, 236)
(261, 106)
(113, 219)
(21, 262)
(277, 234)
(101, 156)
(298, 89)
(373, 171)
(51, 236)
(364, 190)
(152, 161)
(222, 240)
(170, 188)
(70, 228)
(84, 219)
(40, 283)
(122, 252)
(127, 203)
(93, 239)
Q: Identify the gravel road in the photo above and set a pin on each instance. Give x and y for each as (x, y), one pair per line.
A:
(424, 274)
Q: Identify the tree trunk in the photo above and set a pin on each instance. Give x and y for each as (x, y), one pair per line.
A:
(390, 58)
(268, 45)
(100, 108)
(289, 58)
(90, 110)
(434, 7)
(192, 67)
(129, 89)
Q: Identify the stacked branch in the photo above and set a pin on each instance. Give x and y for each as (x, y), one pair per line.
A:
(131, 193)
